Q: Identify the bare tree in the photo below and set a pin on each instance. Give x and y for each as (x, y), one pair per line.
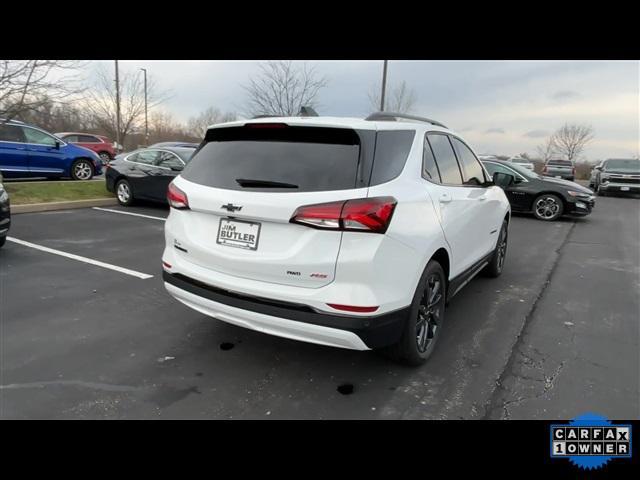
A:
(546, 150)
(197, 126)
(26, 84)
(571, 139)
(400, 99)
(101, 101)
(282, 89)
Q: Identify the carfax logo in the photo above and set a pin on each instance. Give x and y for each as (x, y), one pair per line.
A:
(590, 441)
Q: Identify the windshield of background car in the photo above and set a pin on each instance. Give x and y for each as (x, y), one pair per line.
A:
(623, 164)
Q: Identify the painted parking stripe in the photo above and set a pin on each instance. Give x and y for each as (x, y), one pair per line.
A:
(128, 213)
(91, 261)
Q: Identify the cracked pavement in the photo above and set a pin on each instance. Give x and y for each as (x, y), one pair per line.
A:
(555, 336)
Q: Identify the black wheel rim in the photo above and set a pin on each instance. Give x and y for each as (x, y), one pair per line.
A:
(429, 313)
(502, 248)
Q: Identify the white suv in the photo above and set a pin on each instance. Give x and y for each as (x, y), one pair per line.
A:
(338, 231)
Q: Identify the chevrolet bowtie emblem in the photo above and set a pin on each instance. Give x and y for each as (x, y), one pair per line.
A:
(231, 207)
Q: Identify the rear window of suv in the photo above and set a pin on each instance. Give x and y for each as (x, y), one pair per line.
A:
(282, 158)
(277, 157)
(562, 163)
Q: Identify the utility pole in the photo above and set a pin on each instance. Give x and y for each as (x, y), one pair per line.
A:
(117, 106)
(384, 85)
(146, 121)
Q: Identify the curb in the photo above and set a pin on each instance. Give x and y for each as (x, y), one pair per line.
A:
(46, 207)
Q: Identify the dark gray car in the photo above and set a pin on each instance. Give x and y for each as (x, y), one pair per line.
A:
(616, 175)
(560, 169)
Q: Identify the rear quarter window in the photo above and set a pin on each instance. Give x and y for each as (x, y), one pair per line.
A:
(392, 150)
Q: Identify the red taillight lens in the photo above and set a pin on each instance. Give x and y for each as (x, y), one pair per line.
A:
(363, 215)
(177, 198)
(573, 170)
(544, 170)
(352, 308)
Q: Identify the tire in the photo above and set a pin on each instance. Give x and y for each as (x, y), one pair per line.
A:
(124, 193)
(424, 325)
(105, 156)
(548, 207)
(494, 268)
(82, 170)
(2, 240)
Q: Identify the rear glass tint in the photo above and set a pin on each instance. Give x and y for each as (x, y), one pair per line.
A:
(392, 150)
(277, 158)
(563, 163)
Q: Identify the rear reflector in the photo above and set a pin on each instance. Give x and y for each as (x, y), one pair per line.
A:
(177, 198)
(166, 265)
(361, 215)
(352, 308)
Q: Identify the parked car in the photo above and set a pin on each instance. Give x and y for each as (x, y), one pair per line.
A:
(616, 175)
(98, 143)
(5, 213)
(546, 197)
(300, 228)
(28, 151)
(523, 162)
(560, 169)
(145, 173)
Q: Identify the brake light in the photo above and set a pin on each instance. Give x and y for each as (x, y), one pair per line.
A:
(544, 170)
(573, 170)
(361, 215)
(177, 198)
(352, 308)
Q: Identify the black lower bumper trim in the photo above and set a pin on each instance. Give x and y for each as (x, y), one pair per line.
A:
(375, 331)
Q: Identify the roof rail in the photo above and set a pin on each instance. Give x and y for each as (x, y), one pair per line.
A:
(264, 116)
(394, 116)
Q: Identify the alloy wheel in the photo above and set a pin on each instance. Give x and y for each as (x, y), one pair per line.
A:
(82, 171)
(429, 313)
(547, 207)
(123, 192)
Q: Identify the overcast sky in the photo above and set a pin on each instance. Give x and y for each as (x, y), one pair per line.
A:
(501, 107)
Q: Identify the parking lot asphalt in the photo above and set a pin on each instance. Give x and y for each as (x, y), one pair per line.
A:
(556, 335)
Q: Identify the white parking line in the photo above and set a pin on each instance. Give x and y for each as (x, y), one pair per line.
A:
(91, 261)
(128, 213)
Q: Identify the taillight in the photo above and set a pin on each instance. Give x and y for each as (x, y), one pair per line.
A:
(573, 170)
(177, 198)
(361, 215)
(544, 170)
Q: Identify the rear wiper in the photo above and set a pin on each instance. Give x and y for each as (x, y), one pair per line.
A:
(251, 183)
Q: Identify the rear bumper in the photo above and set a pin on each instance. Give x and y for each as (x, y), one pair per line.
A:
(289, 320)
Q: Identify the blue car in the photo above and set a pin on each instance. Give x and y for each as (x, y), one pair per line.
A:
(28, 151)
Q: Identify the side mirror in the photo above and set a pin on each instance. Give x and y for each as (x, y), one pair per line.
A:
(503, 180)
(57, 147)
(598, 167)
